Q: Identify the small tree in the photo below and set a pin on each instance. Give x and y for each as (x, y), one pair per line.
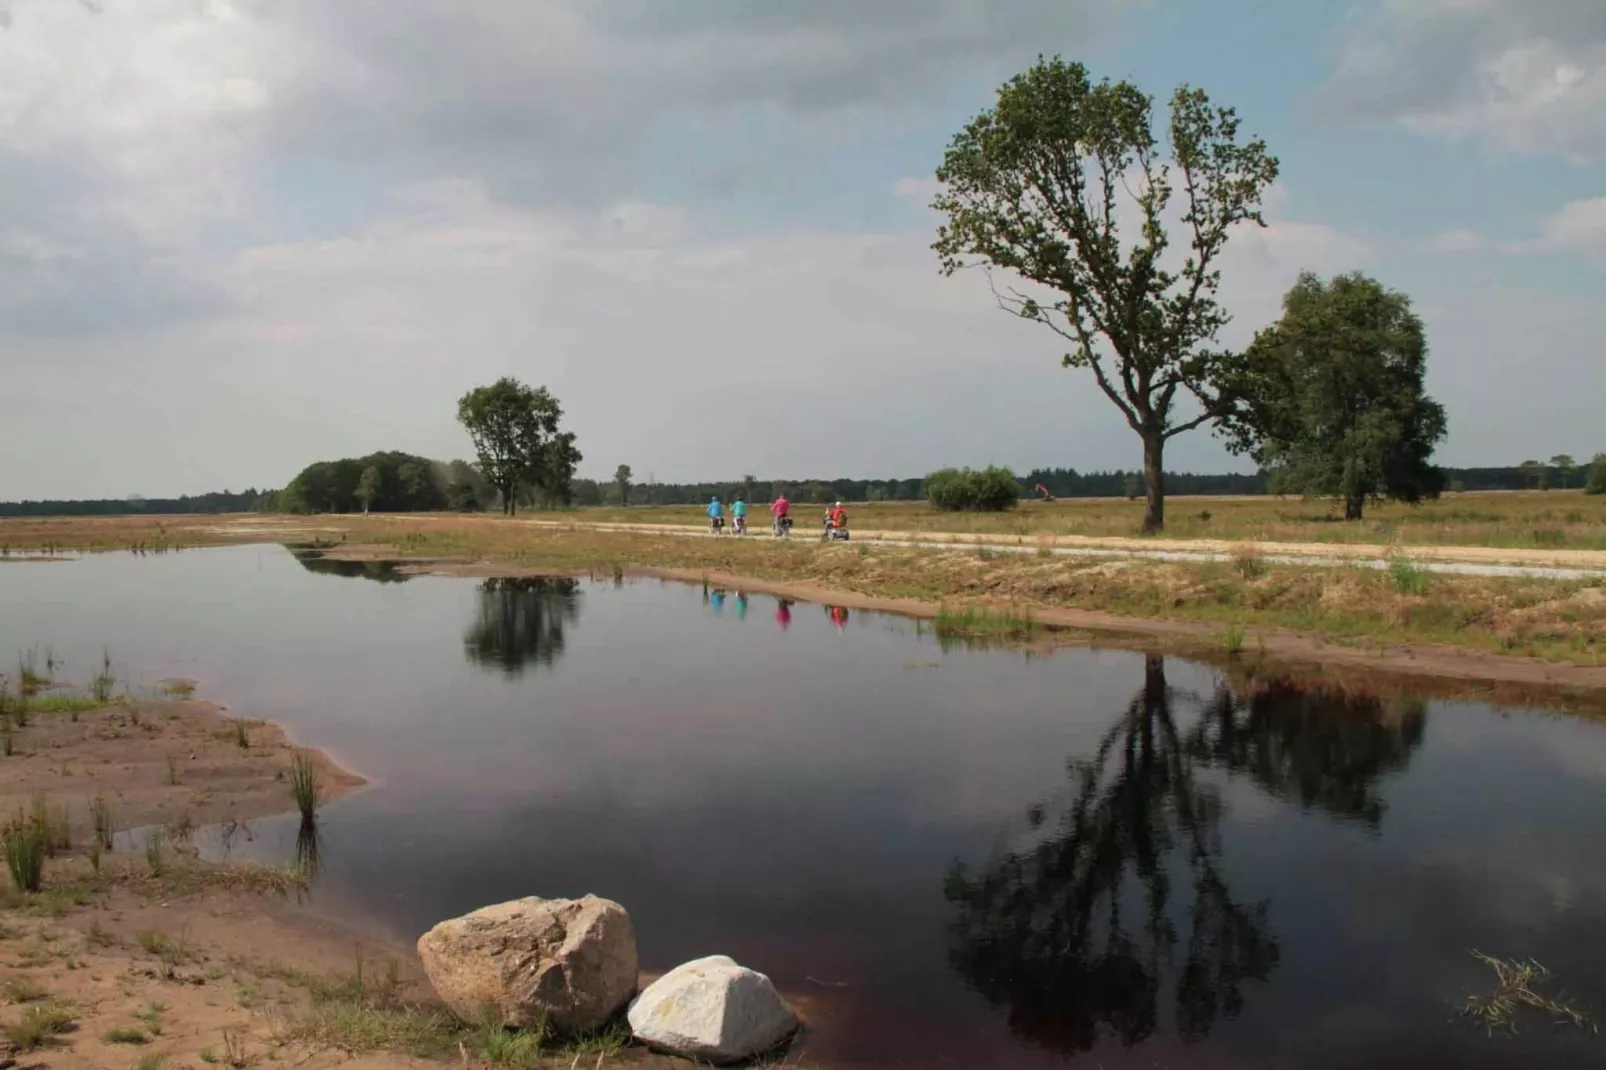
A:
(989, 490)
(1596, 482)
(1332, 394)
(368, 487)
(516, 437)
(621, 479)
(747, 488)
(1533, 475)
(1565, 466)
(1032, 186)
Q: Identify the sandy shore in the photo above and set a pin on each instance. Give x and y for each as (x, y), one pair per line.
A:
(192, 964)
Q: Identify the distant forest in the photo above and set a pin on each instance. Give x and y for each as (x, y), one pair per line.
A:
(406, 483)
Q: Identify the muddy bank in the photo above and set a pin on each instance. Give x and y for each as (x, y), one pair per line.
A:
(171, 762)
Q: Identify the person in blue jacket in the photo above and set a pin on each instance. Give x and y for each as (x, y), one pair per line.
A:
(739, 515)
(716, 518)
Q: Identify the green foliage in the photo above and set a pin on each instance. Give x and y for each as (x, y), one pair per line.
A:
(621, 480)
(400, 482)
(1332, 396)
(515, 429)
(1596, 484)
(125, 1035)
(1031, 186)
(991, 489)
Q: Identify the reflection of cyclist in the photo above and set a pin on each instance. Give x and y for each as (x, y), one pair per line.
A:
(716, 598)
(741, 605)
(783, 613)
(838, 615)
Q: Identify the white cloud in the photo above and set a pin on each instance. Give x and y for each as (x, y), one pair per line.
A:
(1578, 225)
(1455, 241)
(1525, 77)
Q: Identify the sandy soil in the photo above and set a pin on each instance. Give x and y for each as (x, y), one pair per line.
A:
(157, 763)
(201, 965)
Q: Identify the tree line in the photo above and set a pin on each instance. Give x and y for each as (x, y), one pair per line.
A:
(457, 485)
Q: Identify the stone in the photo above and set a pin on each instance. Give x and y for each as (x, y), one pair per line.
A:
(714, 1010)
(568, 962)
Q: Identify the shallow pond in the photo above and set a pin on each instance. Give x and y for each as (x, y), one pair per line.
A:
(949, 858)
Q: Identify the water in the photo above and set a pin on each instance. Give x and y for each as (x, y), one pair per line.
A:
(964, 859)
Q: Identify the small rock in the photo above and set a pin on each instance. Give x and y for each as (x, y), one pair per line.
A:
(714, 1010)
(569, 962)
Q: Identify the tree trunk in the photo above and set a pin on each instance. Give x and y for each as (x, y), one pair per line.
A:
(508, 504)
(1353, 506)
(1154, 477)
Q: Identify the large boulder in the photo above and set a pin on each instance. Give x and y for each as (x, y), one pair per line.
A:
(712, 1010)
(570, 962)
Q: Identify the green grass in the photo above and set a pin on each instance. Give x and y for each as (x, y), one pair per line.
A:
(40, 1026)
(977, 624)
(154, 842)
(517, 1048)
(1233, 639)
(149, 1062)
(1408, 577)
(72, 704)
(25, 843)
(304, 784)
(125, 1035)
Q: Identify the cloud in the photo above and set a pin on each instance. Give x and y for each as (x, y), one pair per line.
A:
(1455, 241)
(1525, 77)
(1577, 226)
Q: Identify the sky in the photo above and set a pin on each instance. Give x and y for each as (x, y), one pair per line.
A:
(238, 236)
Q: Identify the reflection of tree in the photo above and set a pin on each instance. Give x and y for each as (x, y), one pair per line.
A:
(1320, 749)
(1079, 934)
(379, 571)
(1079, 931)
(520, 621)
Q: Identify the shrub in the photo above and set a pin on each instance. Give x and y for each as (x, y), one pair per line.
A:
(1596, 484)
(992, 489)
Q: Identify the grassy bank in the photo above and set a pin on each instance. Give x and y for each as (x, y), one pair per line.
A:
(1556, 621)
(1525, 520)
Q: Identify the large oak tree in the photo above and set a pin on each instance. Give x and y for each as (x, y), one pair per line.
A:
(1046, 185)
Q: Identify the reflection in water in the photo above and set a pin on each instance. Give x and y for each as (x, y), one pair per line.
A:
(313, 560)
(1321, 750)
(838, 615)
(783, 613)
(519, 621)
(1078, 933)
(741, 605)
(309, 854)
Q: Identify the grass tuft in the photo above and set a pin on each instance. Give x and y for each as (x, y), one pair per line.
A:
(1233, 638)
(124, 1035)
(154, 841)
(976, 624)
(104, 819)
(1409, 577)
(103, 683)
(24, 990)
(304, 784)
(39, 1026)
(25, 842)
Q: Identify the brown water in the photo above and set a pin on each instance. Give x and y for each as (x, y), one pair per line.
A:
(948, 858)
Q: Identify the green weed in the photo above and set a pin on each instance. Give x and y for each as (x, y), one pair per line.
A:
(103, 683)
(124, 1035)
(1233, 639)
(974, 623)
(501, 1046)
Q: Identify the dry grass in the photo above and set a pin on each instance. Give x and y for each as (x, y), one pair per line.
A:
(1516, 989)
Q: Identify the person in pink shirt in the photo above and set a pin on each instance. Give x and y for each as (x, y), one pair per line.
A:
(779, 509)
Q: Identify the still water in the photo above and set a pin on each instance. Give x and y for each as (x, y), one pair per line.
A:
(949, 858)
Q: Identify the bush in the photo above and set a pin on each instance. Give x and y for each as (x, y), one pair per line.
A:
(1597, 475)
(991, 490)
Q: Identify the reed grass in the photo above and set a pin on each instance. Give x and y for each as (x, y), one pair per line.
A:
(103, 683)
(304, 786)
(155, 840)
(104, 820)
(25, 843)
(39, 1026)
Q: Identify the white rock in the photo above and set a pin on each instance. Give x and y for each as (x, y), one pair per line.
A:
(570, 962)
(712, 1009)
